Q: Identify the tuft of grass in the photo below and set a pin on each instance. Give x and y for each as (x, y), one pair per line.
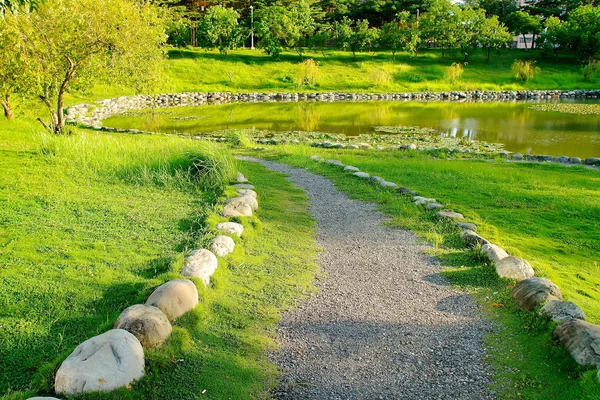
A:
(525, 70)
(454, 72)
(309, 72)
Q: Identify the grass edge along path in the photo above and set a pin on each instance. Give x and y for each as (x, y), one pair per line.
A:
(527, 364)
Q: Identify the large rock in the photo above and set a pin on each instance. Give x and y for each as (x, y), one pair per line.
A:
(147, 323)
(174, 298)
(376, 179)
(493, 252)
(335, 162)
(102, 363)
(232, 228)
(351, 168)
(434, 206)
(467, 225)
(471, 239)
(248, 200)
(534, 292)
(222, 245)
(420, 200)
(237, 209)
(243, 186)
(200, 264)
(241, 178)
(561, 311)
(363, 175)
(247, 192)
(390, 185)
(581, 339)
(514, 268)
(450, 215)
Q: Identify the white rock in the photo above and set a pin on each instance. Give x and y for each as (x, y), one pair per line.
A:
(514, 268)
(418, 200)
(241, 178)
(388, 185)
(433, 206)
(450, 215)
(237, 210)
(147, 323)
(200, 264)
(174, 298)
(243, 186)
(232, 228)
(335, 162)
(363, 175)
(561, 311)
(248, 200)
(472, 239)
(351, 168)
(247, 192)
(222, 245)
(493, 252)
(102, 363)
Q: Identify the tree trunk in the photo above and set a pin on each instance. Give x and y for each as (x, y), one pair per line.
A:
(60, 117)
(525, 41)
(488, 51)
(394, 56)
(8, 113)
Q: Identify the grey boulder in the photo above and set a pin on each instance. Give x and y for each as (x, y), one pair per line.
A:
(493, 252)
(363, 175)
(434, 206)
(471, 239)
(561, 311)
(514, 268)
(391, 185)
(174, 298)
(232, 228)
(237, 209)
(222, 245)
(581, 339)
(241, 178)
(243, 186)
(467, 225)
(450, 215)
(351, 168)
(103, 363)
(533, 292)
(200, 264)
(147, 323)
(247, 192)
(248, 200)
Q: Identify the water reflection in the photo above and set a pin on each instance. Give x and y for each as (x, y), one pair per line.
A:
(518, 127)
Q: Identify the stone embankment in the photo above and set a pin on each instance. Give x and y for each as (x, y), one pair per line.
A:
(115, 358)
(579, 337)
(93, 114)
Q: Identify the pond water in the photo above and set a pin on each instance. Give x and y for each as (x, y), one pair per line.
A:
(516, 125)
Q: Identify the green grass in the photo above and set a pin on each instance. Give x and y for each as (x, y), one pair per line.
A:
(547, 214)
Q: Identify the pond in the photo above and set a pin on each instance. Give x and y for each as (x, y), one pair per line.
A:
(516, 125)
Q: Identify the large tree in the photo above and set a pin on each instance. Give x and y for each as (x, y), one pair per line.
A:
(493, 35)
(72, 44)
(402, 34)
(522, 23)
(442, 24)
(354, 36)
(219, 28)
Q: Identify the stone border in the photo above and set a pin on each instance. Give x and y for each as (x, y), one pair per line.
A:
(115, 358)
(580, 338)
(92, 114)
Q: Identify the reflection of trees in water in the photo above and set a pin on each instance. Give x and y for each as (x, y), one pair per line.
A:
(308, 116)
(381, 114)
(154, 121)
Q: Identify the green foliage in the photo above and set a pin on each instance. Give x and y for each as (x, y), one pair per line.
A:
(219, 28)
(355, 37)
(522, 23)
(582, 31)
(381, 77)
(309, 72)
(401, 34)
(71, 44)
(454, 72)
(442, 23)
(524, 70)
(493, 35)
(591, 69)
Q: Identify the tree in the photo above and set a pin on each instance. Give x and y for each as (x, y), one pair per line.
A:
(582, 31)
(553, 38)
(321, 38)
(11, 5)
(471, 21)
(522, 23)
(71, 44)
(219, 28)
(442, 24)
(493, 35)
(554, 8)
(400, 34)
(353, 37)
(500, 8)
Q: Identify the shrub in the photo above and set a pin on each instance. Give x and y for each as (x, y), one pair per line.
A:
(381, 77)
(524, 70)
(591, 69)
(309, 72)
(454, 72)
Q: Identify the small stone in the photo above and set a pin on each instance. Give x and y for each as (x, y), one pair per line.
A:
(335, 162)
(467, 225)
(412, 146)
(418, 200)
(575, 160)
(450, 214)
(493, 252)
(562, 159)
(363, 175)
(241, 178)
(353, 147)
(434, 206)
(316, 158)
(249, 200)
(581, 339)
(561, 311)
(101, 364)
(592, 161)
(243, 186)
(377, 179)
(534, 292)
(351, 168)
(407, 191)
(232, 228)
(517, 156)
(472, 239)
(222, 245)
(238, 209)
(514, 268)
(391, 185)
(174, 298)
(200, 264)
(247, 192)
(364, 146)
(147, 323)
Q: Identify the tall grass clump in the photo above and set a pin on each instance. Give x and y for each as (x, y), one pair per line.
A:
(454, 72)
(309, 72)
(381, 77)
(524, 70)
(158, 160)
(591, 69)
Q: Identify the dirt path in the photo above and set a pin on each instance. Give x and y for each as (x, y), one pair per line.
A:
(384, 324)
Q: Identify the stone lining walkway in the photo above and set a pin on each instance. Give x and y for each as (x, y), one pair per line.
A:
(384, 324)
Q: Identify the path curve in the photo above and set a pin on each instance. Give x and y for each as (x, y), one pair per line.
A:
(383, 324)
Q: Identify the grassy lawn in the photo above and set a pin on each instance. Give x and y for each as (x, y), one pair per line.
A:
(254, 71)
(91, 223)
(546, 214)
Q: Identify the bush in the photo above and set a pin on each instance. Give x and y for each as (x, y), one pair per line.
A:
(524, 70)
(381, 77)
(309, 72)
(591, 69)
(454, 72)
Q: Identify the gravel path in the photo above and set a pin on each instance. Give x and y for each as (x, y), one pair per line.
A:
(383, 324)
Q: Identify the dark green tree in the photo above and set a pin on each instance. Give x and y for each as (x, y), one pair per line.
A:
(522, 23)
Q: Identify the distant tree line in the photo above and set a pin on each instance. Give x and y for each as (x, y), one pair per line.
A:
(364, 26)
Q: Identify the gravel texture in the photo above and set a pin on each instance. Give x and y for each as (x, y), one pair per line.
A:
(383, 324)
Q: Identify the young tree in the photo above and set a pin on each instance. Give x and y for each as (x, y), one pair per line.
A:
(220, 28)
(71, 44)
(471, 22)
(582, 31)
(493, 35)
(522, 23)
(442, 24)
(353, 37)
(322, 37)
(401, 34)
